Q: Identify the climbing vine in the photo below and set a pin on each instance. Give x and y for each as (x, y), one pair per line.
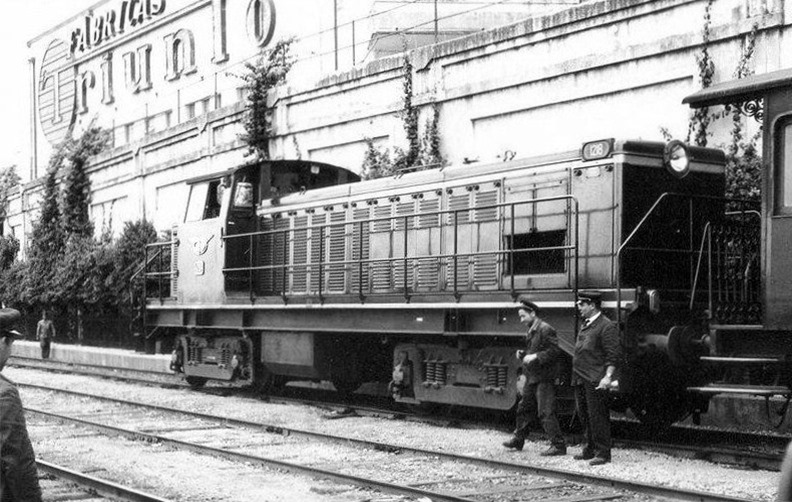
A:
(701, 119)
(265, 74)
(423, 148)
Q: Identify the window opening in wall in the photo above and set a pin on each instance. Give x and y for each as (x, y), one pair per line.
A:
(530, 255)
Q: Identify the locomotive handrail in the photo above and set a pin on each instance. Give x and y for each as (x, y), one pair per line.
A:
(405, 259)
(160, 248)
(649, 213)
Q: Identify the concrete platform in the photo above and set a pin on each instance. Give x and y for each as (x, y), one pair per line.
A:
(745, 413)
(96, 356)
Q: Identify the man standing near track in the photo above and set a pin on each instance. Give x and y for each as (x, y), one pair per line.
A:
(45, 332)
(597, 351)
(18, 474)
(540, 369)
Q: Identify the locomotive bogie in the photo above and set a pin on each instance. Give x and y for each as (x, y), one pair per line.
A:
(216, 355)
(483, 377)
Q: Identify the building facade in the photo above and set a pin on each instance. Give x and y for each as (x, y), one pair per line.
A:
(508, 79)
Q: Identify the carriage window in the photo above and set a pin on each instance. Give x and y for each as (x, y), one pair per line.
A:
(531, 255)
(783, 174)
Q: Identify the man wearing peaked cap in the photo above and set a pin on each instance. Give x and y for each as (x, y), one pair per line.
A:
(8, 322)
(18, 474)
(540, 369)
(594, 363)
(594, 297)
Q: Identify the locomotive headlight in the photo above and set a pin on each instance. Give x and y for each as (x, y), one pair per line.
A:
(675, 158)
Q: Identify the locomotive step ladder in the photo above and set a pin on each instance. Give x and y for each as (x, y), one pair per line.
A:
(744, 361)
(752, 390)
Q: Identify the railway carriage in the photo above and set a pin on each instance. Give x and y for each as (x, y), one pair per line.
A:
(295, 270)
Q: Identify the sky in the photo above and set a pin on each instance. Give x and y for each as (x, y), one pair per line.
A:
(21, 21)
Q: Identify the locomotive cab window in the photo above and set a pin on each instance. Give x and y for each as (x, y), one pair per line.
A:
(537, 252)
(783, 173)
(205, 199)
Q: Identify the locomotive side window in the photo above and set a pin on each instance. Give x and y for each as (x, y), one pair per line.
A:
(783, 174)
(204, 201)
(531, 255)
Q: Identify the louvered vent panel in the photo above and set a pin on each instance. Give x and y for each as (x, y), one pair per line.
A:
(299, 247)
(272, 253)
(383, 225)
(428, 269)
(462, 274)
(280, 254)
(485, 270)
(405, 209)
(381, 273)
(428, 206)
(459, 202)
(318, 250)
(174, 258)
(483, 199)
(360, 251)
(398, 273)
(485, 267)
(336, 248)
(428, 274)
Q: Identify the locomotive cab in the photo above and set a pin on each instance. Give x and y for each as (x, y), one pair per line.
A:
(203, 276)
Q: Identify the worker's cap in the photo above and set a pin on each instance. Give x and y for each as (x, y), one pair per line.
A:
(525, 303)
(594, 297)
(8, 322)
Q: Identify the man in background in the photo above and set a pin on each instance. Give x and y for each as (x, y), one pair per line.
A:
(45, 332)
(18, 474)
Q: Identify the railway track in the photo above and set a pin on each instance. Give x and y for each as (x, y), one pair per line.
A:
(680, 441)
(67, 485)
(372, 465)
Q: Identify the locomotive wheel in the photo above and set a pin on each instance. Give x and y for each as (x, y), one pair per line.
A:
(196, 382)
(659, 398)
(267, 382)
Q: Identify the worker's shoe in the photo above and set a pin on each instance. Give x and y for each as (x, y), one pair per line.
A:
(584, 455)
(599, 460)
(554, 451)
(516, 443)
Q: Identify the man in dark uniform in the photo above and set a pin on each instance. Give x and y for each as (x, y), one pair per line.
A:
(18, 474)
(540, 369)
(45, 332)
(594, 363)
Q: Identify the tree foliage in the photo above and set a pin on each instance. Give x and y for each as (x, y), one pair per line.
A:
(76, 185)
(265, 74)
(80, 278)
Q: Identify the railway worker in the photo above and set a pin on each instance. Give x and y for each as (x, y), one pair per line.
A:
(18, 474)
(594, 363)
(45, 332)
(540, 370)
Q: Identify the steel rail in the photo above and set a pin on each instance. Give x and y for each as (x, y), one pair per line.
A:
(253, 459)
(563, 474)
(98, 485)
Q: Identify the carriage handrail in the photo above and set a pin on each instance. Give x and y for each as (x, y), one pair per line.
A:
(322, 263)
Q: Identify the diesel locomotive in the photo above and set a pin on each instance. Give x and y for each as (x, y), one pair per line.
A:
(298, 270)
